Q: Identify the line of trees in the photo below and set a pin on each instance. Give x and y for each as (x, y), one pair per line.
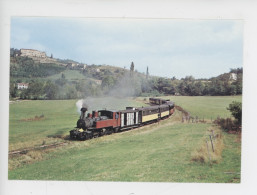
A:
(125, 85)
(58, 89)
(222, 85)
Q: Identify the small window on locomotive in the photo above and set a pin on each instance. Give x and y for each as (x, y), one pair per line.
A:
(106, 113)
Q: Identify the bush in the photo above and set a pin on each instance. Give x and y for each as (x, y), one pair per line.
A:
(236, 110)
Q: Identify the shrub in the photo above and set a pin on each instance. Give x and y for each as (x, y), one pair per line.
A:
(236, 110)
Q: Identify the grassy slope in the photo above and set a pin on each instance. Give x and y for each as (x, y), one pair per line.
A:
(208, 107)
(69, 75)
(154, 153)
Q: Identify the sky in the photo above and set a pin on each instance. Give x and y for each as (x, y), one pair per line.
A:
(169, 47)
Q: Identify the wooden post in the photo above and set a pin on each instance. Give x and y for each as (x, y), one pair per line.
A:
(213, 135)
(211, 143)
(208, 151)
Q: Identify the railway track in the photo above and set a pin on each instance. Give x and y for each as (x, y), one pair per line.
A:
(26, 150)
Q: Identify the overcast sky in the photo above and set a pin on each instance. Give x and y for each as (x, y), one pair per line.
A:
(169, 47)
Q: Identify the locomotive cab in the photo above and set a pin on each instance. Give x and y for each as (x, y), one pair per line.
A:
(105, 114)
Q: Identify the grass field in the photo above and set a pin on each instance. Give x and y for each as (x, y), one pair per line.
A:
(158, 152)
(208, 107)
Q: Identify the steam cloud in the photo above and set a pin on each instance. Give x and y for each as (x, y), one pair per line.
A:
(127, 86)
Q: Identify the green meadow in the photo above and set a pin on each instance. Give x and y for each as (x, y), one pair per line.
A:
(161, 152)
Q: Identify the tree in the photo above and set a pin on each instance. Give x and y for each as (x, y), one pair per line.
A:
(13, 90)
(51, 90)
(63, 76)
(61, 81)
(132, 69)
(147, 73)
(35, 89)
(107, 83)
(173, 78)
(14, 52)
(236, 110)
(71, 92)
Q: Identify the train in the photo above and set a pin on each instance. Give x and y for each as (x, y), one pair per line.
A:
(105, 122)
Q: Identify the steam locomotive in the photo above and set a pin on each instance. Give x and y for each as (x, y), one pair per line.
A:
(104, 122)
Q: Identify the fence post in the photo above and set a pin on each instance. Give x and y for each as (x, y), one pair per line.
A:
(211, 144)
(208, 151)
(213, 135)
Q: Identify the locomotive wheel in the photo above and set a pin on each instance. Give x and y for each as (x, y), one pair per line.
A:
(97, 135)
(83, 137)
(116, 130)
(110, 131)
(103, 132)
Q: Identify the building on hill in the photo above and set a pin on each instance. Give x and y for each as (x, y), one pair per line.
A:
(72, 65)
(233, 76)
(98, 82)
(82, 66)
(32, 53)
(22, 85)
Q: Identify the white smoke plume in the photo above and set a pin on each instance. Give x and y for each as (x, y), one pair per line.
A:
(96, 103)
(127, 86)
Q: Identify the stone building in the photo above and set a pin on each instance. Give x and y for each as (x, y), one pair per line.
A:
(32, 53)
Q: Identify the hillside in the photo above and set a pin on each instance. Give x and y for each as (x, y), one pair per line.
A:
(50, 78)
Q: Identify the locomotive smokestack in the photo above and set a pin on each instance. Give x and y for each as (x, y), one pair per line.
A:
(83, 112)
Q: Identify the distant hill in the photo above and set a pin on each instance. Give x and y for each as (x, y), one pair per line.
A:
(66, 79)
